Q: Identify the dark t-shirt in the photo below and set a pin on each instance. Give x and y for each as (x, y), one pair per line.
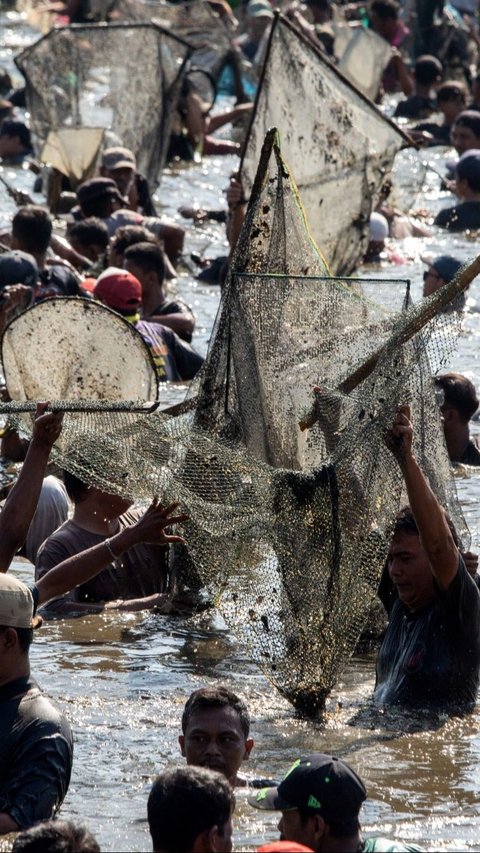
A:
(141, 571)
(176, 306)
(36, 751)
(440, 132)
(462, 217)
(56, 280)
(416, 106)
(431, 657)
(174, 359)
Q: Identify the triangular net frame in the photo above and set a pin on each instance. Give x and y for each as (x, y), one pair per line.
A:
(88, 75)
(337, 143)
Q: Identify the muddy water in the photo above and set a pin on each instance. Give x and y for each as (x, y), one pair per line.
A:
(122, 681)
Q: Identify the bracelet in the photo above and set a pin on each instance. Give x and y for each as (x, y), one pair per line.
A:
(108, 545)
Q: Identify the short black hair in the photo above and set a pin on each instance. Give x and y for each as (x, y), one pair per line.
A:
(17, 128)
(216, 697)
(25, 637)
(185, 802)
(427, 70)
(451, 91)
(130, 235)
(149, 257)
(55, 836)
(405, 523)
(470, 119)
(459, 393)
(32, 227)
(385, 9)
(90, 231)
(345, 829)
(100, 207)
(76, 489)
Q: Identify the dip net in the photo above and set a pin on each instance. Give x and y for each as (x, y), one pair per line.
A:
(193, 20)
(288, 530)
(93, 75)
(337, 143)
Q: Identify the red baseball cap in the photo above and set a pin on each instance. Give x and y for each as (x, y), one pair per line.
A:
(118, 289)
(284, 847)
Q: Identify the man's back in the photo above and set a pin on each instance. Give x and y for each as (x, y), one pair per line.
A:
(36, 751)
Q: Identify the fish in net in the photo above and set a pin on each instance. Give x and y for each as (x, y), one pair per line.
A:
(288, 529)
(337, 143)
(88, 75)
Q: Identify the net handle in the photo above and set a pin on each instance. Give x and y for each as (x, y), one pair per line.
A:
(23, 406)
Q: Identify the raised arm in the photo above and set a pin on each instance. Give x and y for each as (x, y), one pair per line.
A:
(81, 567)
(22, 501)
(435, 534)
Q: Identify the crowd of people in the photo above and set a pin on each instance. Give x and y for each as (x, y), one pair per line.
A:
(93, 551)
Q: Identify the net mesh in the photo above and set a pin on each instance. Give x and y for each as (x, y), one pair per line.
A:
(88, 75)
(194, 20)
(288, 530)
(336, 142)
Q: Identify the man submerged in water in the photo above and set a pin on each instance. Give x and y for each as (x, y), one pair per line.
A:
(430, 655)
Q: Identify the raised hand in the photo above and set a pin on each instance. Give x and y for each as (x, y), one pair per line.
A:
(47, 426)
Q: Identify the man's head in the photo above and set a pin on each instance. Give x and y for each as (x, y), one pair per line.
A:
(119, 290)
(465, 133)
(459, 396)
(145, 261)
(408, 563)
(467, 174)
(440, 271)
(18, 268)
(89, 238)
(383, 16)
(16, 627)
(80, 492)
(190, 811)
(216, 726)
(99, 197)
(428, 70)
(119, 165)
(124, 237)
(32, 230)
(14, 139)
(451, 100)
(320, 799)
(55, 836)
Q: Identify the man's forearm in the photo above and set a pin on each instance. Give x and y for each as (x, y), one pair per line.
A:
(7, 824)
(431, 522)
(21, 503)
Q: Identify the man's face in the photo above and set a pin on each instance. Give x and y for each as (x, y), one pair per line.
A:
(410, 570)
(432, 281)
(214, 738)
(463, 138)
(9, 146)
(138, 272)
(123, 178)
(307, 832)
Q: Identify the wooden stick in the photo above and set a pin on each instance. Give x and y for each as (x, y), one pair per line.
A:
(413, 323)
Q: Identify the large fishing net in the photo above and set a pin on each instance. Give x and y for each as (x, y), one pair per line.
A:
(337, 143)
(289, 528)
(93, 75)
(193, 20)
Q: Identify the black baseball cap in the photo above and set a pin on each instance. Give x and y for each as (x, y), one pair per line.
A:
(322, 784)
(18, 268)
(97, 188)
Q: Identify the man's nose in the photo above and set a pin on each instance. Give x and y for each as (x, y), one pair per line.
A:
(213, 747)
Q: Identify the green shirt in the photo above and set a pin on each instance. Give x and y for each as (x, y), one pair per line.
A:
(386, 845)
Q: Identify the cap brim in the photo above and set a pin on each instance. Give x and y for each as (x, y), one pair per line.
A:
(269, 800)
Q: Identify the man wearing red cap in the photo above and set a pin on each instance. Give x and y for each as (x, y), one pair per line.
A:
(175, 360)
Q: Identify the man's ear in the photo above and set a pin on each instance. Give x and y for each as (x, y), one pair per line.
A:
(248, 747)
(320, 827)
(9, 638)
(181, 741)
(209, 841)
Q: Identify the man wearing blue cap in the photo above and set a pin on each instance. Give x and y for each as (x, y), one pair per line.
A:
(466, 215)
(320, 799)
(440, 271)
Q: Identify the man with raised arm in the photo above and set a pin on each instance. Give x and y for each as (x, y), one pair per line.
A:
(35, 739)
(430, 655)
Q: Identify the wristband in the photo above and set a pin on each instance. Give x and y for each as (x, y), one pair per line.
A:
(109, 548)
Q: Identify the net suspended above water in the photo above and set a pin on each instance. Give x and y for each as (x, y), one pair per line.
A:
(193, 20)
(337, 143)
(288, 530)
(93, 75)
